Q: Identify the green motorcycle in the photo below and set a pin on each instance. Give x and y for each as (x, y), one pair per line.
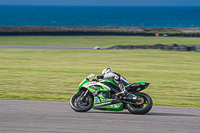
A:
(104, 95)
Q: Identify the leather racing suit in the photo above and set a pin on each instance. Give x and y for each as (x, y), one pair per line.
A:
(117, 78)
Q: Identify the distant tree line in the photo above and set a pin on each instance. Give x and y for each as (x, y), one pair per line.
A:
(174, 47)
(92, 33)
(116, 31)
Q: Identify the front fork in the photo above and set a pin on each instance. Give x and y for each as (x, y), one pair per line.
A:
(83, 96)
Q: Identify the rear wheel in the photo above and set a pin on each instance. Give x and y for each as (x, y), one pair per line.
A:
(142, 106)
(81, 105)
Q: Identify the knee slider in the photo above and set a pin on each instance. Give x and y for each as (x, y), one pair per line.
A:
(117, 77)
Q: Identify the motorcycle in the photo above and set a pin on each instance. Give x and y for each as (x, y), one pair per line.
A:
(104, 95)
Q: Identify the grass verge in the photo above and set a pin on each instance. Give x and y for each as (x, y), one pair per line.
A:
(53, 75)
(102, 41)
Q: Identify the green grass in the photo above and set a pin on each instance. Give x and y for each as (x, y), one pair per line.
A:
(53, 75)
(103, 41)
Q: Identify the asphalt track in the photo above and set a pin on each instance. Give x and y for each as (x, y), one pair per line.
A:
(45, 47)
(57, 117)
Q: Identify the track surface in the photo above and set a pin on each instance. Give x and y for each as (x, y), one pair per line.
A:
(57, 117)
(45, 47)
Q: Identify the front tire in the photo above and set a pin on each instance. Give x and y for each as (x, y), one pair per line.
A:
(142, 108)
(81, 106)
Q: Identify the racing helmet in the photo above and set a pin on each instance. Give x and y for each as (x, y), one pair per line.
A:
(106, 71)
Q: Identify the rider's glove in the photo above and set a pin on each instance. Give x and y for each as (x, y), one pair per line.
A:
(99, 77)
(94, 79)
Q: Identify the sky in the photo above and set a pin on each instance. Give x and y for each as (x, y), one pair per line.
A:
(103, 2)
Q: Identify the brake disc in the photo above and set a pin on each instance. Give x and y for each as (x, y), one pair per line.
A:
(139, 101)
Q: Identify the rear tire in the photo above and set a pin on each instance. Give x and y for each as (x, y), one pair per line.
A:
(143, 108)
(78, 106)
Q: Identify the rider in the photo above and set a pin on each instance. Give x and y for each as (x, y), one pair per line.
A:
(107, 73)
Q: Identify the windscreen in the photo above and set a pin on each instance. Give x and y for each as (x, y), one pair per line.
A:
(91, 75)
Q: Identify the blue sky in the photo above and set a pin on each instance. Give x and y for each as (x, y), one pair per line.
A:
(103, 2)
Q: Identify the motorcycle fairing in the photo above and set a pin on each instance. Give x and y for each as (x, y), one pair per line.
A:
(100, 100)
(111, 107)
(96, 86)
(97, 90)
(110, 81)
(135, 87)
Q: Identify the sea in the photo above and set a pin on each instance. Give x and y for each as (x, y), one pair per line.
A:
(120, 16)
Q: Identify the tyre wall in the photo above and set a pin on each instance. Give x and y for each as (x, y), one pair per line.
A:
(174, 47)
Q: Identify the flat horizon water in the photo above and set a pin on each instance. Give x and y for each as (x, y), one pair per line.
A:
(120, 16)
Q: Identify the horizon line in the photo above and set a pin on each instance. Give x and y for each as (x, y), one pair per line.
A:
(99, 5)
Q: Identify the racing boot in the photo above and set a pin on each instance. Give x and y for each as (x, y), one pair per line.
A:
(123, 92)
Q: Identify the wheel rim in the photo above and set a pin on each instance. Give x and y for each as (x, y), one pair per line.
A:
(81, 104)
(139, 104)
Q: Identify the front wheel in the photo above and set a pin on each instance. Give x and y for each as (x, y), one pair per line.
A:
(81, 105)
(142, 106)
